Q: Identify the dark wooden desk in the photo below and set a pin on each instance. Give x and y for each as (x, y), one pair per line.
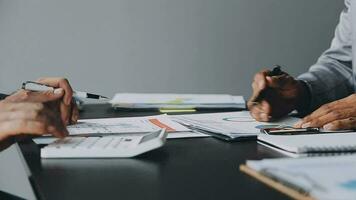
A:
(197, 168)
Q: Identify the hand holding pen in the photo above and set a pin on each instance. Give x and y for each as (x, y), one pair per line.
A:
(275, 94)
(51, 86)
(60, 98)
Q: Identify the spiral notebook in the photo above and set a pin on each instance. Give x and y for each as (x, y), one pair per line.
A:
(327, 178)
(311, 144)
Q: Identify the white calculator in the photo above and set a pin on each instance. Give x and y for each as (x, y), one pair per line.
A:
(105, 146)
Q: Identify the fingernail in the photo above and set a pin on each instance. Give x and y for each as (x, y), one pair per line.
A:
(58, 91)
(328, 126)
(306, 125)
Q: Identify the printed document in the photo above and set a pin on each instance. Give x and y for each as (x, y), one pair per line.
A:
(331, 177)
(232, 124)
(125, 125)
(152, 100)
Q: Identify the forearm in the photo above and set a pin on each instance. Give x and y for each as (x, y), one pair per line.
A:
(328, 80)
(331, 78)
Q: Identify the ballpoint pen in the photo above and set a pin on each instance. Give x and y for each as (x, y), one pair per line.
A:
(38, 87)
(275, 72)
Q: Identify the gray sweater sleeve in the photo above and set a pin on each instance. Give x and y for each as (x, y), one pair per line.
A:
(331, 78)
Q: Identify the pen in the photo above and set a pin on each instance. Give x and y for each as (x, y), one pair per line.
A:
(39, 87)
(276, 71)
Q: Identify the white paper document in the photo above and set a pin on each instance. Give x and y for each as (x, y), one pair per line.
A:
(231, 124)
(107, 126)
(152, 100)
(320, 177)
(126, 127)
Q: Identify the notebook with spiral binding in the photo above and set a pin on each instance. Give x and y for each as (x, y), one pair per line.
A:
(311, 144)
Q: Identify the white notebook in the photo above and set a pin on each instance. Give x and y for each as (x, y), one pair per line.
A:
(312, 144)
(326, 178)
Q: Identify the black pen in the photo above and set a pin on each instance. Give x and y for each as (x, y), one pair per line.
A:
(276, 71)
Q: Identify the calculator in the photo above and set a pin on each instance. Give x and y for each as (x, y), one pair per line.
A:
(104, 147)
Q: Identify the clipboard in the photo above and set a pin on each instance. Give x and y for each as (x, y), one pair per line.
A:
(275, 184)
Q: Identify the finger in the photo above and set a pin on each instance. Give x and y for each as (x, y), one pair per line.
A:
(24, 106)
(31, 121)
(279, 82)
(19, 114)
(65, 112)
(255, 93)
(55, 125)
(61, 83)
(258, 85)
(255, 114)
(75, 113)
(266, 107)
(260, 79)
(16, 127)
(329, 117)
(45, 96)
(343, 124)
(54, 118)
(262, 107)
(58, 131)
(322, 111)
(259, 114)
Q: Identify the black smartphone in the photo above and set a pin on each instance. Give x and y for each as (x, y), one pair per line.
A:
(290, 131)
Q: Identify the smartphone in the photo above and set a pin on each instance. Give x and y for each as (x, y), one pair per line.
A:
(290, 131)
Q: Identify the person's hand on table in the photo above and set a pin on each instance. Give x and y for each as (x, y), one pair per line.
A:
(19, 118)
(337, 115)
(68, 108)
(281, 95)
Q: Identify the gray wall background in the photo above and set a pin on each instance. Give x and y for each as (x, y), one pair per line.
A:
(193, 46)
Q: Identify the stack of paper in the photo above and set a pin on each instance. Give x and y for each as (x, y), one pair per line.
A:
(229, 125)
(308, 178)
(177, 101)
(126, 126)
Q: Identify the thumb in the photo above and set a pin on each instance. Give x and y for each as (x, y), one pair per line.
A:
(280, 82)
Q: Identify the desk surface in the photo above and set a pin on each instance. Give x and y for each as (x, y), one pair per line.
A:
(197, 168)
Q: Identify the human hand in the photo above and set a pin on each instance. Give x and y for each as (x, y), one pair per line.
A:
(337, 115)
(280, 95)
(18, 118)
(68, 108)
